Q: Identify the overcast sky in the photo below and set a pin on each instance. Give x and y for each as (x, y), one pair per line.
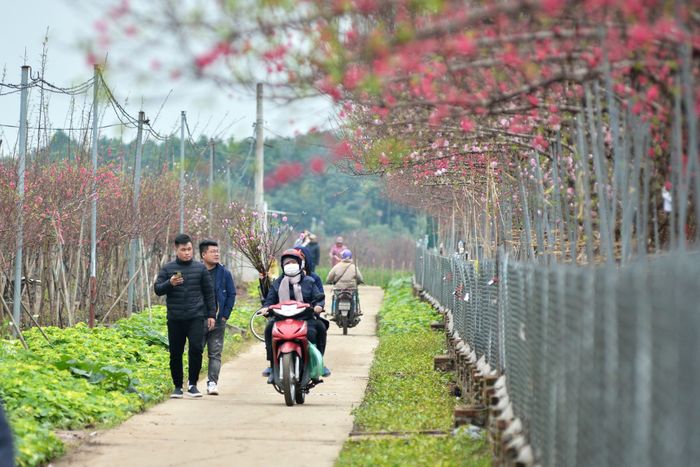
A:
(23, 25)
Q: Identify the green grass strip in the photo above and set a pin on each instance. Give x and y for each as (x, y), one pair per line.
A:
(405, 394)
(419, 450)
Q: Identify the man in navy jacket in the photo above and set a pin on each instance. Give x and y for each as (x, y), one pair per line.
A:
(225, 292)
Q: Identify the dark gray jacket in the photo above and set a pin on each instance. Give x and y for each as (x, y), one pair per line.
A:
(194, 298)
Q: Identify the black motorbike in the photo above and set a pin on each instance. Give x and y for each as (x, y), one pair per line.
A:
(346, 308)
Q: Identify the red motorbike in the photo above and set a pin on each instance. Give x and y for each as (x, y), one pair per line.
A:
(297, 365)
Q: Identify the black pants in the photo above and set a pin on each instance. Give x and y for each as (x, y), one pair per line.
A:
(315, 332)
(193, 331)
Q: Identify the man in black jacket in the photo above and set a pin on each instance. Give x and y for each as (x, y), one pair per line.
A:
(190, 301)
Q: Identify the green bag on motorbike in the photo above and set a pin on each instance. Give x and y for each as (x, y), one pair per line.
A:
(314, 365)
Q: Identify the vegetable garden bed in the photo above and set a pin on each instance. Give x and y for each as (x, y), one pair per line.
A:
(87, 378)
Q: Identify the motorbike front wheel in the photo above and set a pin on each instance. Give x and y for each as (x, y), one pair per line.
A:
(289, 382)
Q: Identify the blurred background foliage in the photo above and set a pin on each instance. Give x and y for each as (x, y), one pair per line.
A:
(301, 181)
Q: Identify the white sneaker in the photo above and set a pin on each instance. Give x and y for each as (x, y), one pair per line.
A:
(212, 390)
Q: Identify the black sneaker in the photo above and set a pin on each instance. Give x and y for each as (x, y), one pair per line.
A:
(176, 394)
(193, 392)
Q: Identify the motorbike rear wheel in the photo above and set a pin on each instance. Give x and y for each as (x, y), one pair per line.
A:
(288, 378)
(345, 325)
(257, 325)
(299, 395)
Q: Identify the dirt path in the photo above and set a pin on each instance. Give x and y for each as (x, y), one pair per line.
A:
(248, 424)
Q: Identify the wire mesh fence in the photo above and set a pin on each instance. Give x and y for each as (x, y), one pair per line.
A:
(601, 363)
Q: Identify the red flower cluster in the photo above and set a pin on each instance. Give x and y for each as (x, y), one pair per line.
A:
(285, 173)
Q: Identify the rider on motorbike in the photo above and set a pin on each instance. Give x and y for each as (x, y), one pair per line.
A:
(294, 284)
(346, 275)
(309, 266)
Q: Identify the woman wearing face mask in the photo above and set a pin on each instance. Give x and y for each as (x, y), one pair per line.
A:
(294, 284)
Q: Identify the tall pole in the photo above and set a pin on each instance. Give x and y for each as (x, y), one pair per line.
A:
(211, 184)
(228, 185)
(182, 171)
(17, 299)
(135, 237)
(228, 203)
(93, 204)
(259, 153)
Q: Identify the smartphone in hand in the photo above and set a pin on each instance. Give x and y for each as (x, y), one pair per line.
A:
(178, 278)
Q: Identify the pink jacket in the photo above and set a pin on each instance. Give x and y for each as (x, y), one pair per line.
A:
(334, 253)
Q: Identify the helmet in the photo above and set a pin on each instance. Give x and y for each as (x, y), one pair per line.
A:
(300, 249)
(346, 254)
(292, 253)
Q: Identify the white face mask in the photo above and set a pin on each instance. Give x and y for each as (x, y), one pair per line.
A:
(291, 269)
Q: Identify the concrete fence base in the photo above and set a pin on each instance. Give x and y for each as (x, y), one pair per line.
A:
(482, 390)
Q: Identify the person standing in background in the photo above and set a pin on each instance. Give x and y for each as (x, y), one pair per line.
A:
(303, 239)
(336, 250)
(225, 294)
(314, 249)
